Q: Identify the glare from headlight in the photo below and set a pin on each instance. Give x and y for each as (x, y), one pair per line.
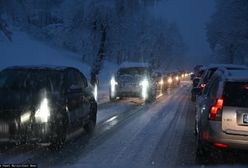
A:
(43, 112)
(25, 117)
(170, 80)
(144, 85)
(95, 92)
(113, 84)
(161, 82)
(177, 78)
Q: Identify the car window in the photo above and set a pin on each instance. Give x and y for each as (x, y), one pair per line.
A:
(236, 94)
(31, 80)
(212, 89)
(133, 71)
(75, 79)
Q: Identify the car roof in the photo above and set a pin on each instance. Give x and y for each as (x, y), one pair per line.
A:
(236, 75)
(40, 67)
(134, 65)
(226, 66)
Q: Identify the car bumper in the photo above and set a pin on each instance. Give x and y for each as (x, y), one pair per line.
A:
(27, 133)
(128, 92)
(214, 136)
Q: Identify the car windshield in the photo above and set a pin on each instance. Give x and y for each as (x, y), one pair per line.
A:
(30, 80)
(133, 71)
(236, 94)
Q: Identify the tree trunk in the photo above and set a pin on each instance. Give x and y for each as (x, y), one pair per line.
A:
(4, 29)
(97, 65)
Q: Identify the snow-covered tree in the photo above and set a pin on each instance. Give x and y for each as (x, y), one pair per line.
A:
(227, 32)
(4, 29)
(98, 30)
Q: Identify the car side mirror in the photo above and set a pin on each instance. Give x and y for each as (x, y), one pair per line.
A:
(196, 91)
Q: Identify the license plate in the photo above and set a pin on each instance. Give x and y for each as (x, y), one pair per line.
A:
(4, 128)
(245, 118)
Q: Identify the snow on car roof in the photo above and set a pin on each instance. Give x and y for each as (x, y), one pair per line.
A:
(236, 75)
(226, 66)
(133, 65)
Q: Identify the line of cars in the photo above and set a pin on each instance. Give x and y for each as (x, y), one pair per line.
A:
(221, 108)
(47, 104)
(140, 80)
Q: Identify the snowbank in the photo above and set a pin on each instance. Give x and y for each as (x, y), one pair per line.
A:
(25, 51)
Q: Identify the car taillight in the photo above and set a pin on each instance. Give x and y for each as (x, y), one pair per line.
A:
(220, 145)
(216, 110)
(203, 85)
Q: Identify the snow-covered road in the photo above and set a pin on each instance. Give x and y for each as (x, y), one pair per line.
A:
(128, 134)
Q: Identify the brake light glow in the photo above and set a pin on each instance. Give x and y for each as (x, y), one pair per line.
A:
(220, 145)
(203, 85)
(214, 109)
(246, 87)
(219, 103)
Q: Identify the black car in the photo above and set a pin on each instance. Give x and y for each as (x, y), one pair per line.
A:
(44, 104)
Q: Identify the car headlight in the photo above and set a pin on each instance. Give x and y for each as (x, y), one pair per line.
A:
(170, 80)
(25, 117)
(161, 82)
(144, 85)
(95, 92)
(42, 114)
(177, 78)
(113, 84)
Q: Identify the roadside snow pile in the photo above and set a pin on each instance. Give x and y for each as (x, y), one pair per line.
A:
(25, 51)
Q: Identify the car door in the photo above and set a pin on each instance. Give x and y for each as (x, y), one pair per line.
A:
(86, 96)
(74, 92)
(206, 100)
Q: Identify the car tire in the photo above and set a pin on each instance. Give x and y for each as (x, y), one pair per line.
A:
(151, 97)
(61, 131)
(201, 154)
(89, 127)
(193, 97)
(112, 99)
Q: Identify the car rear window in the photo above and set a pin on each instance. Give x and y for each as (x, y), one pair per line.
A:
(236, 94)
(31, 79)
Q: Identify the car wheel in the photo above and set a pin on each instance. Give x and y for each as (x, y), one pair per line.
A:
(151, 98)
(61, 131)
(193, 97)
(89, 127)
(112, 98)
(201, 153)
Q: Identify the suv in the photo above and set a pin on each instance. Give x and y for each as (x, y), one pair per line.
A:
(44, 104)
(210, 71)
(133, 80)
(222, 112)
